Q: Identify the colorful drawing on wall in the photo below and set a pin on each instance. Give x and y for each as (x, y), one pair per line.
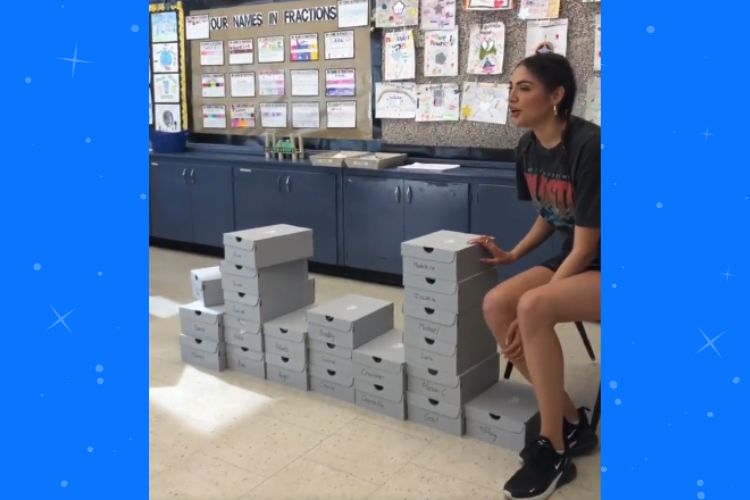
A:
(438, 102)
(441, 53)
(197, 27)
(437, 14)
(598, 43)
(396, 13)
(167, 88)
(339, 45)
(242, 84)
(270, 49)
(395, 100)
(213, 85)
(167, 117)
(273, 115)
(539, 9)
(243, 116)
(485, 102)
(353, 13)
(341, 83)
(212, 53)
(271, 83)
(165, 58)
(543, 37)
(303, 47)
(593, 110)
(305, 115)
(486, 49)
(214, 116)
(241, 51)
(400, 60)
(164, 27)
(488, 4)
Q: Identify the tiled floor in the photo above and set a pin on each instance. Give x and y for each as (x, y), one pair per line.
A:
(232, 437)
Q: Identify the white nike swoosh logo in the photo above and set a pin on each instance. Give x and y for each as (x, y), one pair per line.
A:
(571, 433)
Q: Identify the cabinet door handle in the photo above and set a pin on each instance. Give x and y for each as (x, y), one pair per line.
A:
(397, 192)
(192, 175)
(288, 183)
(154, 164)
(184, 175)
(477, 196)
(246, 170)
(278, 183)
(408, 194)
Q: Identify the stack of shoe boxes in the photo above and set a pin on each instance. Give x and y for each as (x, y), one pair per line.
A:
(336, 328)
(202, 322)
(380, 375)
(285, 339)
(451, 357)
(264, 276)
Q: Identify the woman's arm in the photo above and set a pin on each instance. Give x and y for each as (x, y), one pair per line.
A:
(540, 231)
(585, 249)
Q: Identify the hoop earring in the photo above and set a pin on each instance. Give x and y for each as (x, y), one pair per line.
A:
(554, 108)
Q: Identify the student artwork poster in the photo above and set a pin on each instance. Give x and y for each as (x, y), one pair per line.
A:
(488, 4)
(243, 116)
(486, 49)
(438, 102)
(441, 53)
(395, 100)
(214, 116)
(165, 58)
(400, 59)
(544, 37)
(303, 47)
(437, 14)
(485, 102)
(341, 83)
(396, 13)
(167, 117)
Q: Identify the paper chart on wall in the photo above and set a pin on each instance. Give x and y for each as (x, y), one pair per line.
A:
(273, 115)
(242, 84)
(598, 43)
(164, 27)
(305, 115)
(304, 82)
(485, 102)
(270, 49)
(441, 53)
(341, 83)
(167, 88)
(341, 114)
(214, 116)
(213, 85)
(150, 110)
(539, 9)
(438, 102)
(243, 116)
(197, 27)
(241, 51)
(543, 37)
(488, 4)
(593, 111)
(400, 60)
(486, 49)
(303, 47)
(395, 100)
(396, 13)
(353, 13)
(165, 58)
(167, 117)
(271, 83)
(339, 45)
(212, 53)
(437, 14)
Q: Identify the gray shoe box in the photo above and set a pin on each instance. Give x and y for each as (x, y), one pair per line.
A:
(394, 409)
(247, 361)
(300, 380)
(283, 347)
(263, 309)
(270, 281)
(443, 255)
(206, 323)
(500, 415)
(435, 405)
(469, 293)
(330, 348)
(392, 389)
(288, 362)
(350, 320)
(206, 284)
(332, 389)
(455, 390)
(455, 363)
(341, 377)
(252, 341)
(429, 418)
(243, 325)
(203, 353)
(268, 246)
(292, 326)
(422, 336)
(342, 366)
(446, 328)
(384, 352)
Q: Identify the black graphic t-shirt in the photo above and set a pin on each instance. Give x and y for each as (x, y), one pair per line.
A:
(564, 182)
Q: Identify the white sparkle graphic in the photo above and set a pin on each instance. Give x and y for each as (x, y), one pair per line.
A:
(60, 319)
(701, 495)
(90, 449)
(700, 483)
(37, 267)
(135, 28)
(143, 196)
(736, 380)
(710, 342)
(604, 469)
(27, 79)
(88, 140)
(64, 484)
(650, 30)
(728, 275)
(99, 368)
(100, 381)
(74, 60)
(707, 134)
(618, 402)
(613, 385)
(710, 414)
(659, 204)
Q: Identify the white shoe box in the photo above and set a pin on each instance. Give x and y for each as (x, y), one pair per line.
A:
(446, 328)
(500, 415)
(455, 390)
(270, 281)
(429, 418)
(381, 405)
(206, 284)
(245, 360)
(268, 246)
(332, 389)
(330, 348)
(299, 380)
(443, 255)
(206, 323)
(208, 354)
(262, 309)
(447, 295)
(292, 326)
(350, 320)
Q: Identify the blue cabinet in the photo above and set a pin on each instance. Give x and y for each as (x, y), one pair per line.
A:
(498, 212)
(432, 206)
(258, 198)
(212, 204)
(169, 204)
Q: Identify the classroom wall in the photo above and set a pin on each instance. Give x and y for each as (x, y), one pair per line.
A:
(581, 23)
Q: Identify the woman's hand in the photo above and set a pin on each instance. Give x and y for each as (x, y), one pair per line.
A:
(498, 256)
(513, 348)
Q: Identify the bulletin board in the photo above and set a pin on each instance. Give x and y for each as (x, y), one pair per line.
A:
(255, 22)
(176, 105)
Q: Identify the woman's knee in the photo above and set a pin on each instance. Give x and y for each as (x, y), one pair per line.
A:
(533, 311)
(498, 301)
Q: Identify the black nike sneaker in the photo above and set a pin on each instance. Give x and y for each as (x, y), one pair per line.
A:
(580, 438)
(544, 470)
